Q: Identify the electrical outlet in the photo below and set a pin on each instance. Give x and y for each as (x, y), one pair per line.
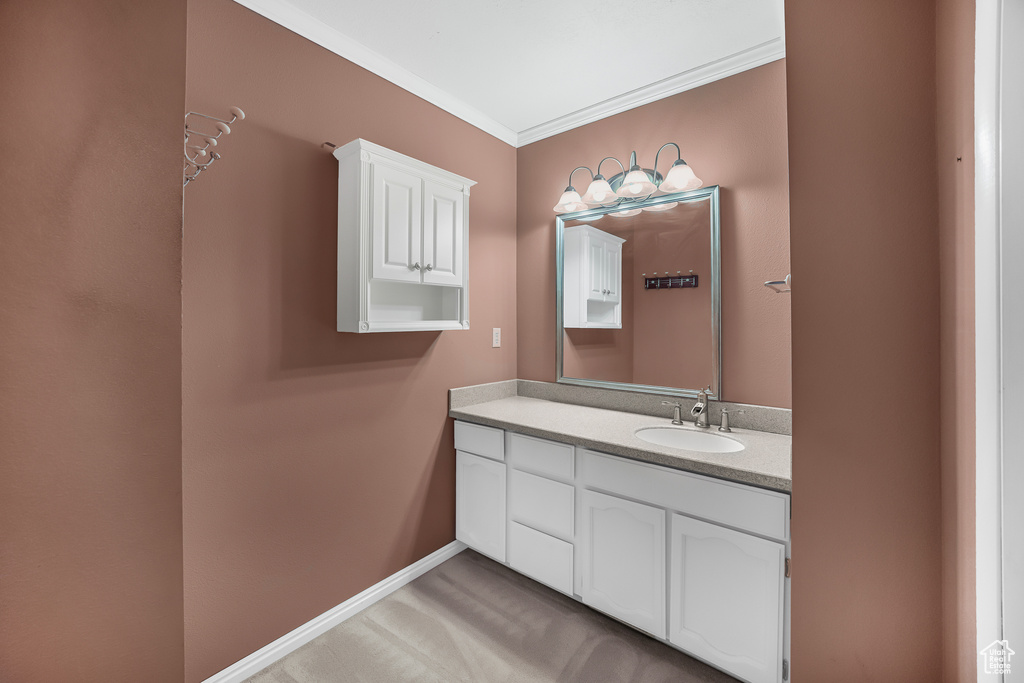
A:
(495, 337)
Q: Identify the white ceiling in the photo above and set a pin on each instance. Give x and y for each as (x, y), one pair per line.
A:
(526, 69)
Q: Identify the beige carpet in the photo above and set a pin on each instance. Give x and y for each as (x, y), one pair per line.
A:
(473, 620)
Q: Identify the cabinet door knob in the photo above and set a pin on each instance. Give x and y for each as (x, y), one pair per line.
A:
(429, 267)
(415, 266)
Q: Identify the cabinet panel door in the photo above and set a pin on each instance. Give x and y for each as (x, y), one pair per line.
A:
(396, 224)
(480, 504)
(595, 269)
(539, 556)
(541, 503)
(726, 598)
(613, 272)
(622, 560)
(443, 241)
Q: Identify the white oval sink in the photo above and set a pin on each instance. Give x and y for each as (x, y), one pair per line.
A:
(689, 440)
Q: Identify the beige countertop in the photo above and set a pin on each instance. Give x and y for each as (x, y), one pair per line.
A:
(765, 461)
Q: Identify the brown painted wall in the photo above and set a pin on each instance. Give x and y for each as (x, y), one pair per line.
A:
(673, 340)
(865, 249)
(955, 128)
(733, 133)
(90, 345)
(316, 463)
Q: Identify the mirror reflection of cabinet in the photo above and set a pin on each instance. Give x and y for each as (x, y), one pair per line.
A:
(593, 278)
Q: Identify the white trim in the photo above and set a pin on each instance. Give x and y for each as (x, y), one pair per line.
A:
(314, 30)
(688, 80)
(988, 550)
(295, 20)
(377, 154)
(264, 657)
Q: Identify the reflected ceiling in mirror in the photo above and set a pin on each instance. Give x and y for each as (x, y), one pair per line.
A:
(639, 296)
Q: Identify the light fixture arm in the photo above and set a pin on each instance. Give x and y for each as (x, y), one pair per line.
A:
(679, 154)
(585, 168)
(613, 159)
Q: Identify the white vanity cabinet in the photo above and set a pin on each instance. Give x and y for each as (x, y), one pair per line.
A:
(592, 278)
(541, 510)
(480, 482)
(402, 242)
(622, 560)
(726, 603)
(697, 562)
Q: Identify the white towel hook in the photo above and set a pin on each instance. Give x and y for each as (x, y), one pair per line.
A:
(781, 286)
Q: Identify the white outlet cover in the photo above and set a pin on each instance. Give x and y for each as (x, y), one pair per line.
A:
(496, 337)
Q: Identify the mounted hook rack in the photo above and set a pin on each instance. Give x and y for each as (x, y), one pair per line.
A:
(666, 281)
(199, 157)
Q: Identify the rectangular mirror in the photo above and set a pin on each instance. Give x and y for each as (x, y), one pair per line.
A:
(639, 296)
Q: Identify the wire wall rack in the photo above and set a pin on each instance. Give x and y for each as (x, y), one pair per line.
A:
(199, 143)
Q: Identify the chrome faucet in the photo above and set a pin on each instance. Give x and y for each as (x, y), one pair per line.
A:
(700, 409)
(677, 415)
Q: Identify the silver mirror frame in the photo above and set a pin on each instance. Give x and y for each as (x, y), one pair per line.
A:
(705, 193)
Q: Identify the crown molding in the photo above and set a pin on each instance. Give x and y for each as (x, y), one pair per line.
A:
(316, 31)
(284, 14)
(687, 80)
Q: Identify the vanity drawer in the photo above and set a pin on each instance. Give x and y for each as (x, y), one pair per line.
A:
(486, 441)
(541, 503)
(757, 511)
(541, 557)
(540, 456)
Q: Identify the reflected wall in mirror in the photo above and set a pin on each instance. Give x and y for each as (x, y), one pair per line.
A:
(640, 295)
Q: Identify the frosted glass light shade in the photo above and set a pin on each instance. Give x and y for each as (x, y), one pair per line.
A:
(570, 201)
(599, 192)
(661, 207)
(625, 213)
(680, 178)
(636, 184)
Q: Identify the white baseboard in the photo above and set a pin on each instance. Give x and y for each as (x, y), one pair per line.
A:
(265, 656)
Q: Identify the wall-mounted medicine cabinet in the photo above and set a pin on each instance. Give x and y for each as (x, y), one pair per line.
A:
(403, 229)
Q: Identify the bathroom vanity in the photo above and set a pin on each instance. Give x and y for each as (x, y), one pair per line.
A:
(570, 496)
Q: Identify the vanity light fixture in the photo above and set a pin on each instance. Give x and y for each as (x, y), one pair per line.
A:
(633, 185)
(625, 213)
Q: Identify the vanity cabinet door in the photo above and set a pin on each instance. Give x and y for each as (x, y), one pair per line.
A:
(480, 504)
(442, 234)
(726, 598)
(597, 268)
(622, 560)
(613, 272)
(396, 224)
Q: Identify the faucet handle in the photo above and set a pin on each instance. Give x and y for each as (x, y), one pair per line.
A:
(725, 421)
(677, 415)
